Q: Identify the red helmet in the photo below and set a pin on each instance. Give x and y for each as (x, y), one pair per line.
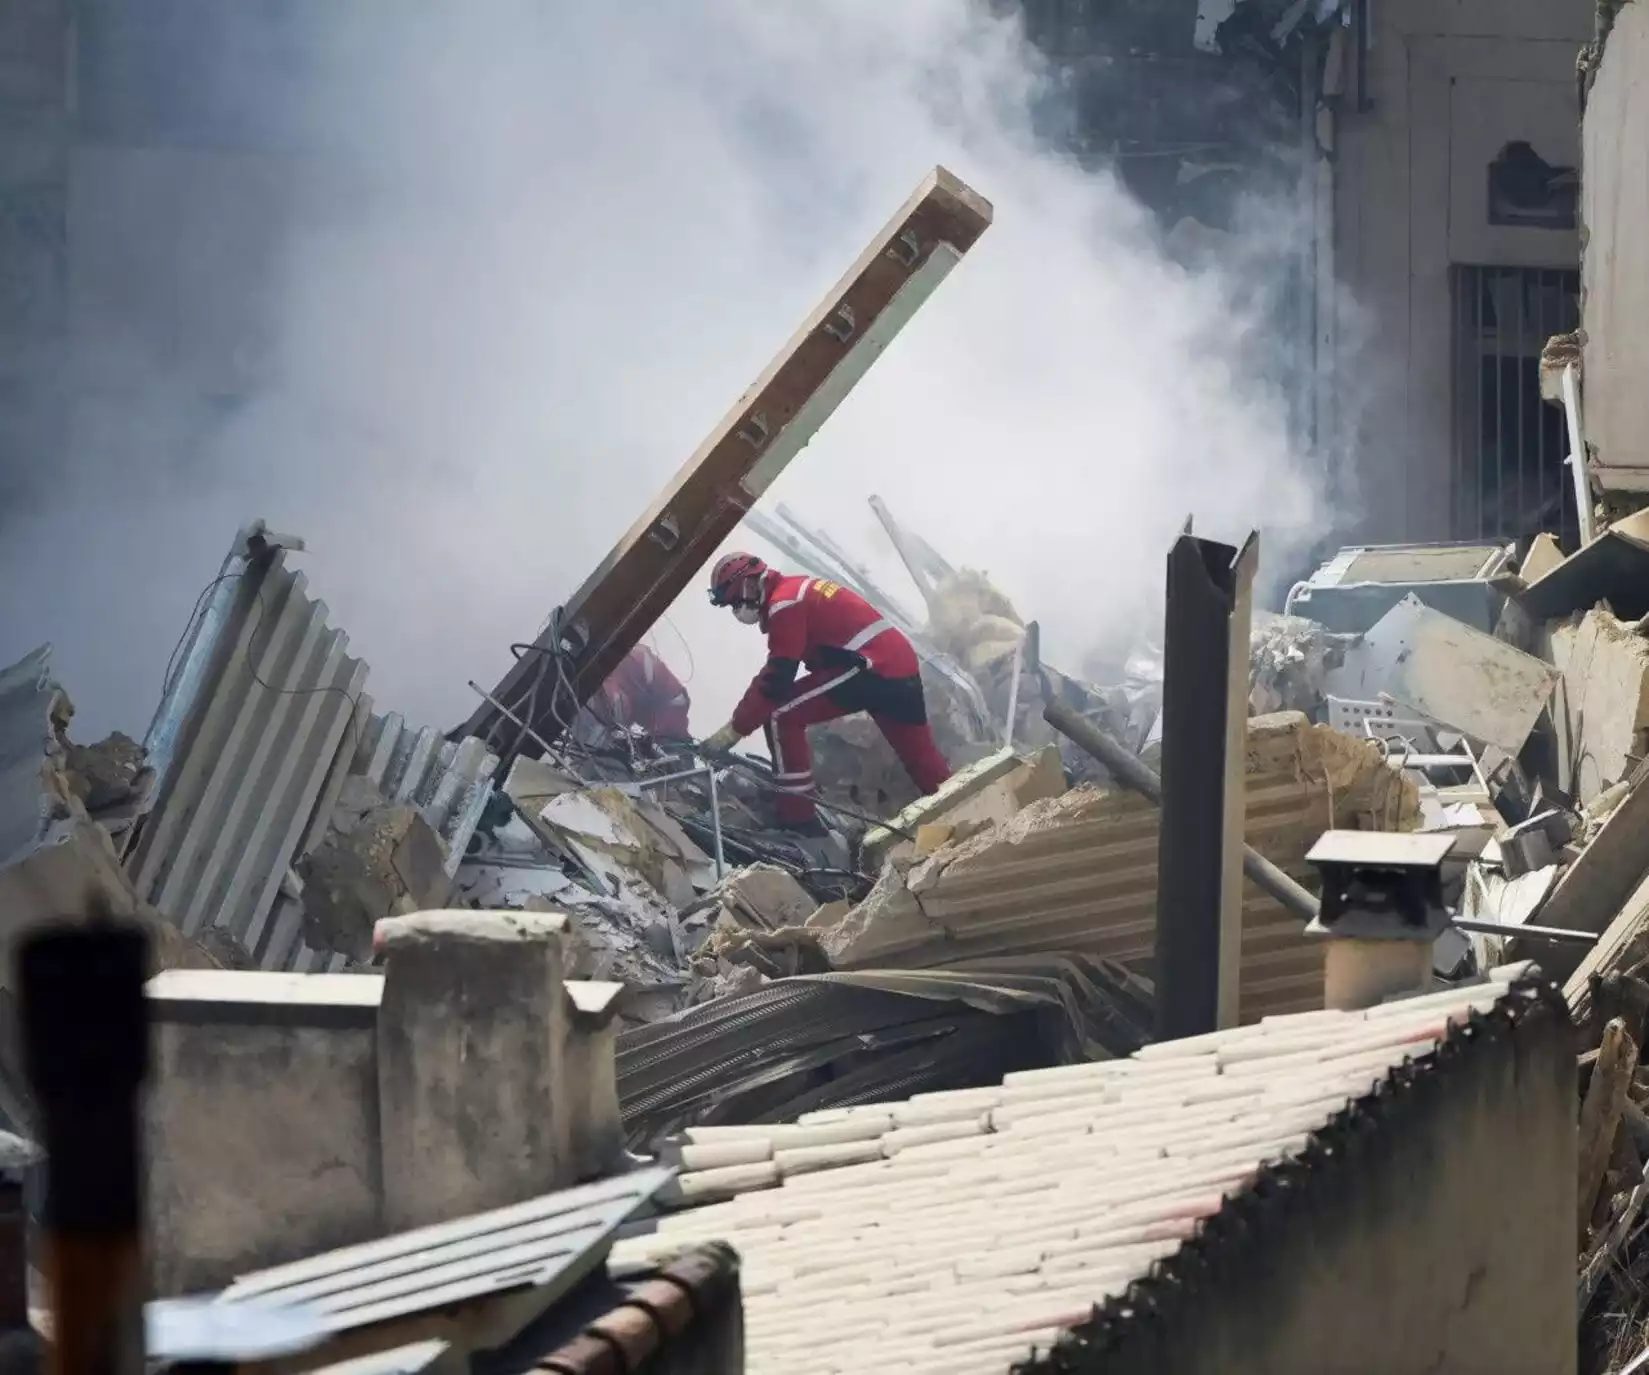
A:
(732, 578)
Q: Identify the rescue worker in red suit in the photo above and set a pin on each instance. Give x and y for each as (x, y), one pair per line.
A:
(641, 692)
(857, 661)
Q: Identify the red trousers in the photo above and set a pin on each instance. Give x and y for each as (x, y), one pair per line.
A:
(897, 707)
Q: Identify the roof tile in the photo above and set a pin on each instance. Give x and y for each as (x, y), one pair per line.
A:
(956, 1231)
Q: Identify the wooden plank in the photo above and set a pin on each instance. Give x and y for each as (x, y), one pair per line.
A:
(1598, 886)
(1607, 954)
(771, 423)
(1617, 1061)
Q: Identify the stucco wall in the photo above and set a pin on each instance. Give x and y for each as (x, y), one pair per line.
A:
(261, 1120)
(1615, 268)
(1450, 82)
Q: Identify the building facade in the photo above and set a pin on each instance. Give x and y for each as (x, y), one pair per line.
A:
(1452, 142)
(1615, 264)
(1432, 146)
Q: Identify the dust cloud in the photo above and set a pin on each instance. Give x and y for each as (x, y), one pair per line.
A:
(518, 261)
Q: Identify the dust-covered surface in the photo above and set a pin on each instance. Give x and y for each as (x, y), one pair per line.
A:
(1078, 871)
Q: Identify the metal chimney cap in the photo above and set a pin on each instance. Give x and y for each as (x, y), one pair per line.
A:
(1381, 886)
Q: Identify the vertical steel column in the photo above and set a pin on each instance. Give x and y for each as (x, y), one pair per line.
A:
(1204, 727)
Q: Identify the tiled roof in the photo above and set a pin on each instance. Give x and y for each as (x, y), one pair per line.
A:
(647, 1315)
(959, 1232)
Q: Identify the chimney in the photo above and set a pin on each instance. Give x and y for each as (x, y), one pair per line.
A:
(496, 1079)
(1382, 910)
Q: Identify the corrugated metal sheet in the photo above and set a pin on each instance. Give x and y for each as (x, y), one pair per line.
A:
(449, 783)
(547, 1243)
(28, 698)
(263, 718)
(248, 732)
(825, 1040)
(1079, 872)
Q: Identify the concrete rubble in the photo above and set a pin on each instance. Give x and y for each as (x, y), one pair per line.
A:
(412, 978)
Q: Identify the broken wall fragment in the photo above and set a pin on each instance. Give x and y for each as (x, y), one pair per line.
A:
(1078, 872)
(1605, 668)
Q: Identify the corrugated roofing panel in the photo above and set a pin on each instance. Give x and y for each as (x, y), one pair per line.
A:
(449, 783)
(263, 719)
(547, 1242)
(249, 731)
(1078, 873)
(28, 697)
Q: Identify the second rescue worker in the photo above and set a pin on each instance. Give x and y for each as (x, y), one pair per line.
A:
(857, 661)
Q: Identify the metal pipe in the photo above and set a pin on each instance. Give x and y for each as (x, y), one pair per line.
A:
(1137, 776)
(709, 771)
(1577, 455)
(659, 780)
(511, 717)
(1555, 934)
(715, 824)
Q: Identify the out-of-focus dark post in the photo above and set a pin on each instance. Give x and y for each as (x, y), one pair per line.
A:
(1204, 728)
(86, 1043)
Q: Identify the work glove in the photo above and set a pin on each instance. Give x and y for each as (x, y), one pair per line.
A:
(722, 741)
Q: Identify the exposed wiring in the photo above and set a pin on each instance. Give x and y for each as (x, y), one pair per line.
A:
(188, 629)
(754, 770)
(251, 657)
(686, 649)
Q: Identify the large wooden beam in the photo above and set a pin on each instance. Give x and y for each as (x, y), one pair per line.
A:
(771, 423)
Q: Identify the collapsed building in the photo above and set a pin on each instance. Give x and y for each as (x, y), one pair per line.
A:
(1116, 958)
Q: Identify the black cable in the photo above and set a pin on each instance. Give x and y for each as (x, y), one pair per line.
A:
(252, 660)
(752, 769)
(194, 615)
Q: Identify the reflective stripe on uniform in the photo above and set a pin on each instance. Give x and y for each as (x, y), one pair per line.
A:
(794, 601)
(869, 633)
(808, 696)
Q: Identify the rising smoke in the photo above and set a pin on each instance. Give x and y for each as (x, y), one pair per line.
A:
(528, 256)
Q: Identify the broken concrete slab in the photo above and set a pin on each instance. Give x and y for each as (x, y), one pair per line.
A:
(1045, 777)
(1037, 778)
(56, 862)
(376, 860)
(1605, 700)
(1078, 872)
(1613, 568)
(1600, 881)
(1290, 658)
(735, 961)
(1447, 672)
(114, 772)
(1544, 555)
(763, 897)
(619, 836)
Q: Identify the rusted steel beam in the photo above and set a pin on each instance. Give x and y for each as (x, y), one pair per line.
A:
(634, 585)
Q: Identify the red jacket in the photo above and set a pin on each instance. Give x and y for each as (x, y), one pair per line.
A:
(643, 692)
(822, 624)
